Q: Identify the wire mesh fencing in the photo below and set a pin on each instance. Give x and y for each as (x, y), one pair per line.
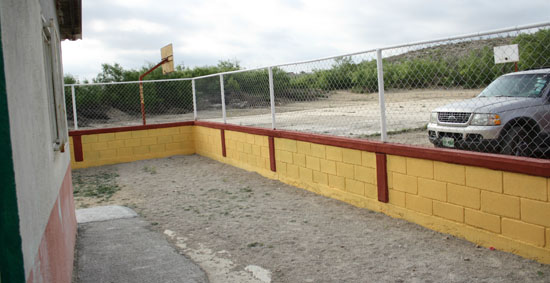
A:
(326, 97)
(486, 92)
(448, 78)
(208, 98)
(247, 98)
(101, 105)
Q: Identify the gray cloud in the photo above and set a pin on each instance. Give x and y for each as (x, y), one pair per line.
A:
(258, 33)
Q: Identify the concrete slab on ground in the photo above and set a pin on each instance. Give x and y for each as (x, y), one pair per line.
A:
(102, 213)
(124, 249)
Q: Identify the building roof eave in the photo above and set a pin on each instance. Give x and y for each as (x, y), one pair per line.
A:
(69, 13)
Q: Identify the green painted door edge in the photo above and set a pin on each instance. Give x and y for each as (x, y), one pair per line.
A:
(11, 256)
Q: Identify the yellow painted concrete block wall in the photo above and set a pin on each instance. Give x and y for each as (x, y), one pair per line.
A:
(345, 174)
(120, 147)
(506, 210)
(493, 208)
(208, 142)
(248, 151)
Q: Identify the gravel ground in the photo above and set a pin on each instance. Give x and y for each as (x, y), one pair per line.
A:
(241, 227)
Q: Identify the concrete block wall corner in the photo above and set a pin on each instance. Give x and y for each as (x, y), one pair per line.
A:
(488, 206)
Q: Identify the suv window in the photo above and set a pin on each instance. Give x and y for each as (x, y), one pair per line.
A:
(526, 85)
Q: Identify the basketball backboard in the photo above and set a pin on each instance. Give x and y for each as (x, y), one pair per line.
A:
(167, 53)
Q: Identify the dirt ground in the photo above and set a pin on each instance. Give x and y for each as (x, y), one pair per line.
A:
(241, 227)
(342, 113)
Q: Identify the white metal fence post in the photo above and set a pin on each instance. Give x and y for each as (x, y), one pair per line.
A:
(223, 99)
(271, 97)
(381, 98)
(194, 100)
(74, 108)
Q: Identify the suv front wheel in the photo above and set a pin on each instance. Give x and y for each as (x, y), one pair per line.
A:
(515, 142)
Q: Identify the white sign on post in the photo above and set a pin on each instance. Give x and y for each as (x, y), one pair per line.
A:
(506, 53)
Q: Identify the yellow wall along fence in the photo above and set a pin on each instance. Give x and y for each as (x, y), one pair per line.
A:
(119, 147)
(493, 208)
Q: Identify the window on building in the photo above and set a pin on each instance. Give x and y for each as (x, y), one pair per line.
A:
(54, 87)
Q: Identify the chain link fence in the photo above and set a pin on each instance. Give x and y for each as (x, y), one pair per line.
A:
(323, 97)
(208, 98)
(486, 92)
(117, 104)
(446, 78)
(247, 98)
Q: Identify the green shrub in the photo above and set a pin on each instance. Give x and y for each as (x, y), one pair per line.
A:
(534, 49)
(365, 77)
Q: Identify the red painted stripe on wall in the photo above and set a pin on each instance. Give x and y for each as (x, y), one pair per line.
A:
(382, 177)
(224, 151)
(129, 128)
(530, 166)
(242, 129)
(272, 154)
(77, 147)
(54, 262)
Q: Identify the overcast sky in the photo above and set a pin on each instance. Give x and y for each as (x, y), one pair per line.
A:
(261, 33)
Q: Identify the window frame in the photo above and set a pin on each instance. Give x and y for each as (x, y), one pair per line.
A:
(53, 84)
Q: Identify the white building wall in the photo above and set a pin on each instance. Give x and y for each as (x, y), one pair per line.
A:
(39, 170)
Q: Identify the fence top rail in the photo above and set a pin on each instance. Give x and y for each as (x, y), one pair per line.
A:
(132, 82)
(496, 31)
(464, 36)
(232, 72)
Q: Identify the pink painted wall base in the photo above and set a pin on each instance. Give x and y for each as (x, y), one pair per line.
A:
(54, 262)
